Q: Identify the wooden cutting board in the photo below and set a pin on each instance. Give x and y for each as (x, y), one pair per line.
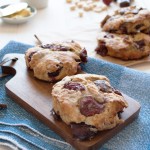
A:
(35, 96)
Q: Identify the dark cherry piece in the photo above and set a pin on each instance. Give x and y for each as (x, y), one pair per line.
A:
(137, 27)
(117, 92)
(102, 49)
(82, 131)
(30, 56)
(55, 115)
(83, 55)
(79, 68)
(74, 86)
(140, 44)
(106, 88)
(55, 73)
(89, 106)
(101, 84)
(123, 28)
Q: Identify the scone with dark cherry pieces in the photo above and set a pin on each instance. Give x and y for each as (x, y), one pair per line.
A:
(127, 20)
(125, 47)
(52, 62)
(88, 104)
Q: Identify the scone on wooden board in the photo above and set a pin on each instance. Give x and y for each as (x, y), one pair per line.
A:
(123, 46)
(52, 62)
(127, 20)
(88, 104)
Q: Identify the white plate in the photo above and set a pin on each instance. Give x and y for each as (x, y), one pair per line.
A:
(21, 19)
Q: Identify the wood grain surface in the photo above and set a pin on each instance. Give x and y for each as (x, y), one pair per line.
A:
(35, 96)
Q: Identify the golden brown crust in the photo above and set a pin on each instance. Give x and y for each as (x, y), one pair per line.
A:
(29, 53)
(67, 101)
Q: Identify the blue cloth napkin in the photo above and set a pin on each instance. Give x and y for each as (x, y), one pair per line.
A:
(20, 129)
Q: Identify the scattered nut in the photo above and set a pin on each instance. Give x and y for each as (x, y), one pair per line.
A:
(73, 7)
(69, 1)
(87, 8)
(80, 4)
(93, 5)
(80, 14)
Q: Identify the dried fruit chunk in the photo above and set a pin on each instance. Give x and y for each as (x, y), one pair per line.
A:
(102, 49)
(55, 73)
(3, 106)
(82, 131)
(83, 55)
(107, 2)
(140, 44)
(124, 3)
(74, 86)
(89, 106)
(30, 56)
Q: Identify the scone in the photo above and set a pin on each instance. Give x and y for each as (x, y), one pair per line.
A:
(127, 20)
(125, 47)
(88, 103)
(54, 63)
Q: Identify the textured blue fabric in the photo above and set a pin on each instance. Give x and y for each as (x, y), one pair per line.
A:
(20, 128)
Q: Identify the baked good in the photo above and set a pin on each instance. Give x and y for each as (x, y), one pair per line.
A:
(56, 61)
(127, 20)
(125, 47)
(88, 103)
